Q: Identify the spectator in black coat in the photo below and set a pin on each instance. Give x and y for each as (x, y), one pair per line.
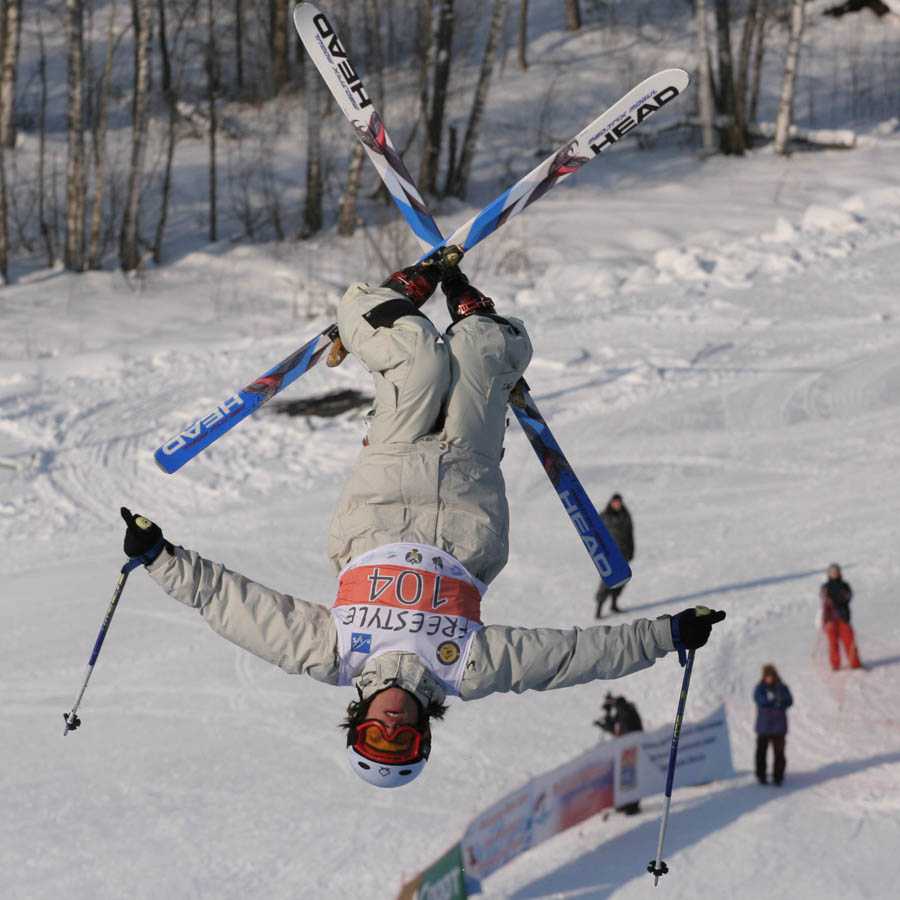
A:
(772, 698)
(617, 519)
(621, 717)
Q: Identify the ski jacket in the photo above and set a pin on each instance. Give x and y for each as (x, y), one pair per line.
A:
(836, 595)
(619, 525)
(426, 492)
(772, 702)
(302, 638)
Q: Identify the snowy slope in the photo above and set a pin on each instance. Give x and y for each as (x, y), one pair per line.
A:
(740, 387)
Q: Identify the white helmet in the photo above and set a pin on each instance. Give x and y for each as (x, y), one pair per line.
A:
(384, 775)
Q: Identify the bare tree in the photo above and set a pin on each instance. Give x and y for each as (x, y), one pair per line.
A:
(522, 43)
(239, 44)
(171, 86)
(4, 220)
(312, 210)
(458, 178)
(98, 141)
(347, 216)
(704, 87)
(129, 251)
(47, 235)
(573, 15)
(76, 182)
(10, 36)
(278, 18)
(743, 67)
(435, 123)
(786, 104)
(758, 53)
(212, 64)
(731, 137)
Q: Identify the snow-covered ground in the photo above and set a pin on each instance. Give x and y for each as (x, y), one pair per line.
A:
(718, 341)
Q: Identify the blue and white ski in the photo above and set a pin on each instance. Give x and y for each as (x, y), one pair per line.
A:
(330, 57)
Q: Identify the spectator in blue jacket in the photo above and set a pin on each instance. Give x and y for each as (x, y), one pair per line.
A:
(772, 698)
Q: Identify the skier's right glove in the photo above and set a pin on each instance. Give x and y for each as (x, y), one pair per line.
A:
(143, 539)
(691, 629)
(417, 283)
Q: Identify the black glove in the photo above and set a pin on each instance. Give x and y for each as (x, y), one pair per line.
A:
(691, 628)
(143, 539)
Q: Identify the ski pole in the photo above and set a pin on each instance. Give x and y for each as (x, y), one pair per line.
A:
(657, 867)
(72, 720)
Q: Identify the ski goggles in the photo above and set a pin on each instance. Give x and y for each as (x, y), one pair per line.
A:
(386, 743)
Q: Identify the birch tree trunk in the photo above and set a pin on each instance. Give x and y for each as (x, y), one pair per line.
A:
(170, 94)
(435, 123)
(312, 210)
(129, 251)
(4, 220)
(98, 140)
(573, 15)
(743, 68)
(522, 42)
(458, 179)
(239, 44)
(731, 140)
(211, 87)
(347, 217)
(786, 104)
(75, 171)
(280, 44)
(758, 53)
(704, 86)
(10, 39)
(43, 224)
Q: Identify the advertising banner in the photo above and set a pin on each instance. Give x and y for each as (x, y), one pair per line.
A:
(612, 773)
(442, 880)
(704, 754)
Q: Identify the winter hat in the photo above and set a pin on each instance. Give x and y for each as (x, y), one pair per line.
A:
(616, 497)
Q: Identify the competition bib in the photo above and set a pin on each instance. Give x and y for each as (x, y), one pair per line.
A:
(409, 598)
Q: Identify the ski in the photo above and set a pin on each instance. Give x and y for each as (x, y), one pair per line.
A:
(194, 438)
(605, 131)
(324, 46)
(599, 543)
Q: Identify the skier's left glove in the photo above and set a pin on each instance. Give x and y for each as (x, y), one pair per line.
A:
(143, 539)
(692, 627)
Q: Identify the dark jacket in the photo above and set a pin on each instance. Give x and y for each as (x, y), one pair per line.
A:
(620, 527)
(836, 595)
(772, 702)
(620, 717)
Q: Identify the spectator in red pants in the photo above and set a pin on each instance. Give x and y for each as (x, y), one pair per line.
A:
(772, 698)
(836, 595)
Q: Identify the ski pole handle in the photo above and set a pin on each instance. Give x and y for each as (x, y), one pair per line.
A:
(71, 718)
(657, 867)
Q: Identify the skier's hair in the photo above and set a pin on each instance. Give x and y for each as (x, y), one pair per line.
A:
(769, 669)
(358, 712)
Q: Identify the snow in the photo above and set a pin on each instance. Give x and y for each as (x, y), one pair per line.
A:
(717, 340)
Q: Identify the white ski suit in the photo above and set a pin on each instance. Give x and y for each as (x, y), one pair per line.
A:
(419, 531)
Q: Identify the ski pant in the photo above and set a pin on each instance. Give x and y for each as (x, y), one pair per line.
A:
(841, 631)
(457, 383)
(762, 746)
(430, 471)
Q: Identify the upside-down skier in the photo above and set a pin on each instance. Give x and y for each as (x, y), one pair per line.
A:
(420, 531)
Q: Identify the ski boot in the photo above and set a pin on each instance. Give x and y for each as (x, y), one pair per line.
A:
(463, 299)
